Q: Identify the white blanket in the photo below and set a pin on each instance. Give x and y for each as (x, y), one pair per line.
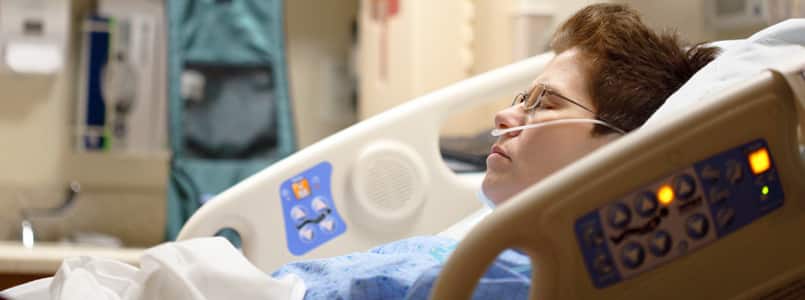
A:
(199, 269)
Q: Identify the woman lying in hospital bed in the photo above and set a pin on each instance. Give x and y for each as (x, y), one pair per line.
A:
(610, 70)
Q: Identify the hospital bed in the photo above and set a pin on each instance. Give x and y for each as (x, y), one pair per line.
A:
(668, 211)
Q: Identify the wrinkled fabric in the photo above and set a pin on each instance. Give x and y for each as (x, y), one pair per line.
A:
(739, 60)
(229, 32)
(404, 269)
(238, 118)
(235, 118)
(199, 269)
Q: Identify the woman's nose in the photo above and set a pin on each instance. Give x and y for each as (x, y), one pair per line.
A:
(509, 117)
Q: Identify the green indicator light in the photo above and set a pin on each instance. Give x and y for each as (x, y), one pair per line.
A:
(765, 190)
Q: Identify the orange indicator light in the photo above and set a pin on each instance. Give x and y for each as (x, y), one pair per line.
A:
(759, 161)
(665, 194)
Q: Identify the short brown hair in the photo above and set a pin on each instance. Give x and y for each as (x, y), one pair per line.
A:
(634, 69)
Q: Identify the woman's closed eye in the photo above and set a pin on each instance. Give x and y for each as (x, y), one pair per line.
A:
(548, 102)
(528, 98)
(523, 97)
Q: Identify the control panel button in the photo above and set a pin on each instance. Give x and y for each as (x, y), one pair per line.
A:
(645, 204)
(710, 174)
(660, 243)
(724, 217)
(718, 194)
(298, 214)
(327, 225)
(735, 172)
(619, 215)
(602, 264)
(696, 226)
(685, 186)
(759, 160)
(632, 255)
(318, 204)
(306, 233)
(593, 237)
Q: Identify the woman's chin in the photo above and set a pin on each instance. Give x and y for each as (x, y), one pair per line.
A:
(492, 189)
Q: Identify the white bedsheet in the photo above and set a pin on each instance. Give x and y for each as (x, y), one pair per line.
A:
(198, 269)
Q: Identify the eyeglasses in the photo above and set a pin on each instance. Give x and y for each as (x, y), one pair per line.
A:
(532, 99)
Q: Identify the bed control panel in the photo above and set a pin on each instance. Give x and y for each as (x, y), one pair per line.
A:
(311, 218)
(679, 214)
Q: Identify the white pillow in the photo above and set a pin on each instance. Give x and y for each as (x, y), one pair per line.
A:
(770, 48)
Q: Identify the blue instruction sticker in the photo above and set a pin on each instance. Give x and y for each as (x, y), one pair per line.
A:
(311, 218)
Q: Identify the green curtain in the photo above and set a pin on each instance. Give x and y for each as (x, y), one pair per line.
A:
(242, 120)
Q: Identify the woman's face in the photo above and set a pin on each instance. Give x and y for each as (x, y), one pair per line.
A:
(521, 158)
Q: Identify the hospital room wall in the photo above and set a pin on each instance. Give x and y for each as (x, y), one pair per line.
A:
(491, 46)
(34, 115)
(685, 15)
(428, 46)
(420, 58)
(688, 17)
(318, 53)
(318, 47)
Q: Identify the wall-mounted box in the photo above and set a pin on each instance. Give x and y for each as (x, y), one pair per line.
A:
(33, 36)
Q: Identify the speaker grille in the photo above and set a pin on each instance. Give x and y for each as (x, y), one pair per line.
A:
(390, 183)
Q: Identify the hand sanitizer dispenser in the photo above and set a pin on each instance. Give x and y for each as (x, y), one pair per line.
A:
(33, 36)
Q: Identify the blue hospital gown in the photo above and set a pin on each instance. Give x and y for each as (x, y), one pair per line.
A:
(405, 269)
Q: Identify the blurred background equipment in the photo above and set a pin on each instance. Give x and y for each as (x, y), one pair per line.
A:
(34, 36)
(742, 14)
(122, 93)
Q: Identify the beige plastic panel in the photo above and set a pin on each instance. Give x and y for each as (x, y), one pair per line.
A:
(756, 259)
(253, 207)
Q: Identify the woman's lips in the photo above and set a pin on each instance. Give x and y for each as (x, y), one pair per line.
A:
(499, 150)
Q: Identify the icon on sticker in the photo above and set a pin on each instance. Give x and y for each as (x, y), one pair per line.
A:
(318, 204)
(327, 225)
(301, 189)
(298, 214)
(306, 233)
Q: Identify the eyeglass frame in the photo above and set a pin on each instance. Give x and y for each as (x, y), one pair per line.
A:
(523, 97)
